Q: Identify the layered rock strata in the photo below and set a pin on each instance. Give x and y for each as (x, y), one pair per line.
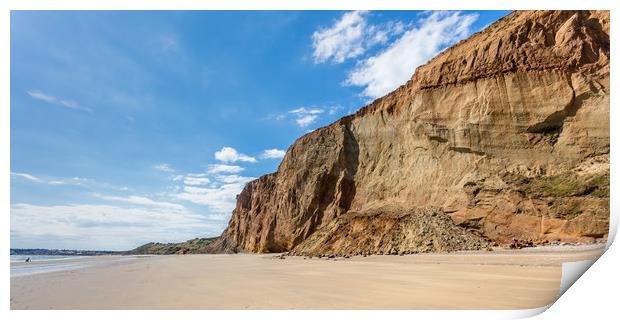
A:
(506, 133)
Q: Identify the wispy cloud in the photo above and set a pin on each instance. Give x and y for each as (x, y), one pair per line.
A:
(74, 181)
(224, 168)
(164, 167)
(393, 66)
(218, 217)
(332, 110)
(228, 154)
(36, 94)
(102, 226)
(304, 110)
(233, 178)
(217, 189)
(196, 179)
(143, 201)
(273, 154)
(305, 117)
(220, 199)
(64, 181)
(26, 176)
(169, 43)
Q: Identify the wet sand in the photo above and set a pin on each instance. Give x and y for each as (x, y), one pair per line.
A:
(505, 279)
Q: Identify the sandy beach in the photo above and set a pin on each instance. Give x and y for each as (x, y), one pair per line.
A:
(504, 279)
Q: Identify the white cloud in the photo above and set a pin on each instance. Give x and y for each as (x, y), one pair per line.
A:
(196, 180)
(343, 40)
(36, 94)
(273, 154)
(64, 181)
(96, 226)
(26, 176)
(306, 116)
(221, 199)
(233, 178)
(164, 167)
(332, 110)
(350, 37)
(228, 154)
(304, 121)
(224, 168)
(123, 222)
(169, 43)
(143, 201)
(42, 96)
(303, 110)
(396, 27)
(217, 189)
(79, 180)
(218, 217)
(393, 66)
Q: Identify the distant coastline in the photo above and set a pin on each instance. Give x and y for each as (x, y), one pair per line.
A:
(193, 246)
(64, 252)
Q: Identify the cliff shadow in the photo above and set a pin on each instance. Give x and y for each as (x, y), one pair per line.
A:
(336, 190)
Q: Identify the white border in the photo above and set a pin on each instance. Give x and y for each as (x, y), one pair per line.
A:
(306, 5)
(592, 297)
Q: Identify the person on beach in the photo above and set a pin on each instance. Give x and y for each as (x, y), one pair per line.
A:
(28, 259)
(514, 244)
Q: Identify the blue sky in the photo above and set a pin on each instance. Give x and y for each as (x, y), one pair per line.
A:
(129, 127)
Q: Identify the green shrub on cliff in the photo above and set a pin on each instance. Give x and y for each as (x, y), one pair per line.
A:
(567, 185)
(188, 247)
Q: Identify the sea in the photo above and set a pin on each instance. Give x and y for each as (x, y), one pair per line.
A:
(22, 258)
(52, 263)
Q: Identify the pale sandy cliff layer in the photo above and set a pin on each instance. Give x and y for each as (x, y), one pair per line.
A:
(505, 135)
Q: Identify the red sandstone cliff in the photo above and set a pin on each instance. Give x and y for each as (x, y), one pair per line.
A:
(505, 135)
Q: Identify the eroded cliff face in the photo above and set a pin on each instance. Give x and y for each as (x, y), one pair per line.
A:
(505, 133)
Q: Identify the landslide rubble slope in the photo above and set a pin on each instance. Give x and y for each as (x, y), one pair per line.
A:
(390, 230)
(507, 132)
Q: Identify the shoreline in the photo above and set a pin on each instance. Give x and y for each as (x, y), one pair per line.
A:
(508, 279)
(44, 266)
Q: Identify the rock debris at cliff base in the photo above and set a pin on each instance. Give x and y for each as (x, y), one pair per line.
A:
(390, 230)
